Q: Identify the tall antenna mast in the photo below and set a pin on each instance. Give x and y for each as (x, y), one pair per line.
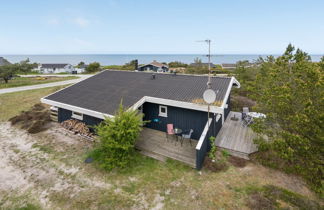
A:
(208, 41)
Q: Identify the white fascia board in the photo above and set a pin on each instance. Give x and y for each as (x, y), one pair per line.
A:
(76, 109)
(138, 104)
(223, 116)
(203, 135)
(180, 104)
(228, 91)
(236, 82)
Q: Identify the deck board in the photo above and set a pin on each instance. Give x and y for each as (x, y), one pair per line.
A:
(155, 142)
(235, 137)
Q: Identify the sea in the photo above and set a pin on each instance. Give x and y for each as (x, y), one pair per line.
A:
(120, 59)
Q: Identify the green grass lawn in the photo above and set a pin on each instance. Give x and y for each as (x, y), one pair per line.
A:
(11, 104)
(147, 183)
(23, 81)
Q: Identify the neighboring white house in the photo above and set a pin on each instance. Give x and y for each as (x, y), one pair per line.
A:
(52, 68)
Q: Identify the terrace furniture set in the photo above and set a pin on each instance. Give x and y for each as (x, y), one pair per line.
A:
(247, 116)
(177, 132)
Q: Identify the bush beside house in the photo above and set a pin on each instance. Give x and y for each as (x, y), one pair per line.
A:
(117, 139)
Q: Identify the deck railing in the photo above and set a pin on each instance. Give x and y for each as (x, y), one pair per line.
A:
(202, 146)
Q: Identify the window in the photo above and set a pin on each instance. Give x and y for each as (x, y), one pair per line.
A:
(77, 115)
(163, 111)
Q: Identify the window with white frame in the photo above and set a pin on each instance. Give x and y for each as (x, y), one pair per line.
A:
(163, 111)
(77, 115)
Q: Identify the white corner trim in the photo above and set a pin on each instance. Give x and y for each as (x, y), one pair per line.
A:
(218, 117)
(236, 82)
(204, 133)
(138, 104)
(223, 116)
(76, 109)
(228, 91)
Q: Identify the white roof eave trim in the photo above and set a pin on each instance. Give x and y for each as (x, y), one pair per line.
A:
(180, 104)
(76, 109)
(228, 91)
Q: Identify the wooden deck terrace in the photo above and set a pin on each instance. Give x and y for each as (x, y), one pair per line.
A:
(155, 144)
(236, 138)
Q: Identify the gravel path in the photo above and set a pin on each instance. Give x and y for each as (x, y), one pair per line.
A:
(52, 84)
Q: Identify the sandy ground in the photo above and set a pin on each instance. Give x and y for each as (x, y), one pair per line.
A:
(48, 169)
(25, 168)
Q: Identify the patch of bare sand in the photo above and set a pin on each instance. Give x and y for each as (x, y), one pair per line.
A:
(270, 176)
(221, 189)
(26, 168)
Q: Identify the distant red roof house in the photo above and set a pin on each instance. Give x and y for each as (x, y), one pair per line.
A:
(154, 66)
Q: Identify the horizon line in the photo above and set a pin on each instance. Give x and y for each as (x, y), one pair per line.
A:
(202, 54)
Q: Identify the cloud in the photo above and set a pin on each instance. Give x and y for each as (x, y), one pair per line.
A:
(53, 21)
(82, 43)
(81, 22)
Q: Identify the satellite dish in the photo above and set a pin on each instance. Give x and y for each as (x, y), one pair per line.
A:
(209, 96)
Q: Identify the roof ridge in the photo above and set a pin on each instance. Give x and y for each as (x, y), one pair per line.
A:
(166, 73)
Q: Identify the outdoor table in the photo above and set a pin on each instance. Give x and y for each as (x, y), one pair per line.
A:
(256, 115)
(177, 132)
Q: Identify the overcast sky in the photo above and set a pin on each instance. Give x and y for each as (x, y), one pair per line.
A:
(163, 26)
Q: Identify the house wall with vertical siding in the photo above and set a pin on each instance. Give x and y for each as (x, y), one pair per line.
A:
(64, 114)
(184, 119)
(228, 109)
(151, 68)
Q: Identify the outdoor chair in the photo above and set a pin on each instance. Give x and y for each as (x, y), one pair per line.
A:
(244, 112)
(247, 121)
(187, 135)
(170, 131)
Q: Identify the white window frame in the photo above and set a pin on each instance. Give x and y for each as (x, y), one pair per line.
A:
(163, 114)
(77, 115)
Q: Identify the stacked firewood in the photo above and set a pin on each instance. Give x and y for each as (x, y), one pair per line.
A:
(77, 127)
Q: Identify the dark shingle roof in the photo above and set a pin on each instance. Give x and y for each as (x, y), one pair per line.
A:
(3, 61)
(155, 63)
(54, 65)
(104, 91)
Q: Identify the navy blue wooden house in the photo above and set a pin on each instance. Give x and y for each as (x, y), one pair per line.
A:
(154, 66)
(164, 99)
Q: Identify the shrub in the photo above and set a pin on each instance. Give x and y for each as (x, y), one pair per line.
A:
(289, 89)
(92, 67)
(117, 139)
(212, 152)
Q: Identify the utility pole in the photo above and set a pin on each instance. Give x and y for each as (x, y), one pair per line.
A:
(208, 41)
(209, 82)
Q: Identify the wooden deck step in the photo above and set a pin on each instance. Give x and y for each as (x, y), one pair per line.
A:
(155, 144)
(163, 154)
(153, 155)
(237, 153)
